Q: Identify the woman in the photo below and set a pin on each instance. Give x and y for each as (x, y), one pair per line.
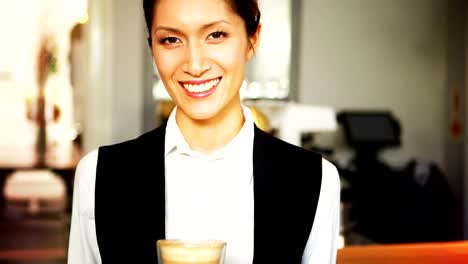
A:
(210, 173)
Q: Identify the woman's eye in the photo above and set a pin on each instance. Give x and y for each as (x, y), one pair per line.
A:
(217, 35)
(170, 40)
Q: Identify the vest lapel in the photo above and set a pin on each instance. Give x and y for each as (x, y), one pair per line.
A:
(154, 161)
(263, 168)
(130, 199)
(287, 183)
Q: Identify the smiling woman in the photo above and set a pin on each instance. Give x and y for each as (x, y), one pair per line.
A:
(200, 52)
(209, 173)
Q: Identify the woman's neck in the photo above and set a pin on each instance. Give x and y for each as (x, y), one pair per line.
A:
(206, 136)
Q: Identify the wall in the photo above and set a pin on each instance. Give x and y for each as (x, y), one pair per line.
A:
(465, 178)
(456, 67)
(379, 55)
(114, 96)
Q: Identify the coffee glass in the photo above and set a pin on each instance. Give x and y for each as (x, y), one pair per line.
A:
(172, 251)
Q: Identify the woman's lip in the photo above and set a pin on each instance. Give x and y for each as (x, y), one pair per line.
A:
(198, 82)
(203, 94)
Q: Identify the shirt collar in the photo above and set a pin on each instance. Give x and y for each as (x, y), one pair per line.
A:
(243, 141)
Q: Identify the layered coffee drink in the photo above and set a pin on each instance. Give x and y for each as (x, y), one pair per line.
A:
(190, 252)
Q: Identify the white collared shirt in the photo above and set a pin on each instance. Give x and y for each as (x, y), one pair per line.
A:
(215, 192)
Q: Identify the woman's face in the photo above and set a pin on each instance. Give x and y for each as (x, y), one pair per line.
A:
(200, 49)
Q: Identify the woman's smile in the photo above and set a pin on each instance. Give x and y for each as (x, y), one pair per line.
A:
(200, 88)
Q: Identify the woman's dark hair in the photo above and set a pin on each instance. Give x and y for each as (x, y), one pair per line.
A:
(247, 9)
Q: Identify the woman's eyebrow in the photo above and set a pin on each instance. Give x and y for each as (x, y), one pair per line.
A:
(171, 29)
(205, 26)
(221, 21)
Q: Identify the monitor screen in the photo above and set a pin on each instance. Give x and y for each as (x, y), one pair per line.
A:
(370, 128)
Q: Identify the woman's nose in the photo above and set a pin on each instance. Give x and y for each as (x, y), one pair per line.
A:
(197, 63)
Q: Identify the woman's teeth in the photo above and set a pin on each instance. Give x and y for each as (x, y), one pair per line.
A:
(198, 88)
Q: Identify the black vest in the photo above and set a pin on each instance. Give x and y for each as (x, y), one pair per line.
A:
(130, 199)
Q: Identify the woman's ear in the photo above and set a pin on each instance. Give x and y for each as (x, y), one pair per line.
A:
(254, 42)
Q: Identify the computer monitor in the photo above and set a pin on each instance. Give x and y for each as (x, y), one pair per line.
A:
(370, 129)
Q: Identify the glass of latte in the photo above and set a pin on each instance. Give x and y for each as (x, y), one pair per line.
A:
(191, 252)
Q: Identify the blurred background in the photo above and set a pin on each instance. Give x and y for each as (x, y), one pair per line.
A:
(376, 86)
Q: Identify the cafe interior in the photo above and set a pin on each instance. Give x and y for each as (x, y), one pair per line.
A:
(376, 87)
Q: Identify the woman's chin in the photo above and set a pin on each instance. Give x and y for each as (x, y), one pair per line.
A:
(201, 114)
